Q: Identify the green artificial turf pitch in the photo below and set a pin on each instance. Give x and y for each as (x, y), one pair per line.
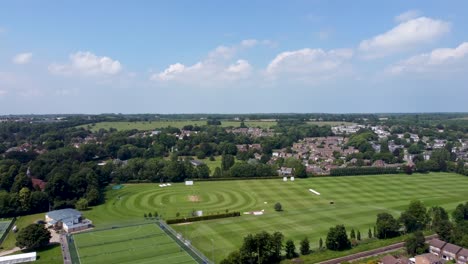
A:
(134, 244)
(357, 201)
(3, 226)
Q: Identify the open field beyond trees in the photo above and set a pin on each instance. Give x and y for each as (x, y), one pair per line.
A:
(357, 201)
(149, 125)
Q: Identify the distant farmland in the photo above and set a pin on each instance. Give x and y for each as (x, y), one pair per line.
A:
(356, 202)
(150, 125)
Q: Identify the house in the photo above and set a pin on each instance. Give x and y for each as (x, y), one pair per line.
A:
(39, 183)
(70, 220)
(449, 251)
(435, 246)
(284, 171)
(389, 259)
(462, 256)
(429, 258)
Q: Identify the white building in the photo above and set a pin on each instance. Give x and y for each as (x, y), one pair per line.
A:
(19, 258)
(69, 219)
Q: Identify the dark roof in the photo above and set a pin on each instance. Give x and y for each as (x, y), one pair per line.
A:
(389, 259)
(451, 248)
(437, 243)
(463, 252)
(432, 258)
(403, 260)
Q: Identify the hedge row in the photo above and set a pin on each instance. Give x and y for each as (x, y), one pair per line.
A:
(201, 218)
(363, 171)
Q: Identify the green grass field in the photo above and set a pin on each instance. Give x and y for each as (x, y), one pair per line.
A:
(21, 222)
(134, 244)
(172, 123)
(357, 201)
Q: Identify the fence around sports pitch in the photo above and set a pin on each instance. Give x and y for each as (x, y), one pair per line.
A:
(183, 243)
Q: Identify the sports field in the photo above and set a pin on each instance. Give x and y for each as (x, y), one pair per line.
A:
(357, 201)
(135, 244)
(172, 123)
(4, 223)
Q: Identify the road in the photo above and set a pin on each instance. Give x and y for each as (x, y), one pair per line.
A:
(371, 253)
(65, 251)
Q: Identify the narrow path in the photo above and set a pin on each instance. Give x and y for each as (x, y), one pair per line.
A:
(65, 251)
(10, 251)
(371, 253)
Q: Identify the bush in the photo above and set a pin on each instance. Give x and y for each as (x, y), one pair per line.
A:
(278, 207)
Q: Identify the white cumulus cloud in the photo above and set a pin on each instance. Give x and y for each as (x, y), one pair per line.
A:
(404, 36)
(87, 63)
(217, 68)
(308, 62)
(408, 15)
(22, 58)
(439, 60)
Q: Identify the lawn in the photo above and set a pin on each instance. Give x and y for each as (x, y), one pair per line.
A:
(134, 244)
(49, 255)
(151, 125)
(357, 201)
(21, 222)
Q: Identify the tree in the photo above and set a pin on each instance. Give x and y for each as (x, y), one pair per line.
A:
(227, 161)
(415, 244)
(461, 213)
(352, 234)
(337, 239)
(300, 171)
(358, 235)
(278, 207)
(33, 236)
(25, 199)
(82, 204)
(387, 226)
(415, 217)
(203, 171)
(217, 173)
(369, 234)
(290, 249)
(320, 243)
(305, 246)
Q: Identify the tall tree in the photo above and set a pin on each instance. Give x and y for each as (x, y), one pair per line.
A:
(227, 161)
(337, 239)
(387, 226)
(290, 249)
(415, 244)
(415, 217)
(305, 246)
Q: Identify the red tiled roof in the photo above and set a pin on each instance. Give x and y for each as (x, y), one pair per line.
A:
(39, 183)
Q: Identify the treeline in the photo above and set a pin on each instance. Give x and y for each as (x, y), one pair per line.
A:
(263, 248)
(363, 171)
(202, 218)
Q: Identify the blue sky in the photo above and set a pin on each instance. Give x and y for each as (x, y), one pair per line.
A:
(233, 56)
